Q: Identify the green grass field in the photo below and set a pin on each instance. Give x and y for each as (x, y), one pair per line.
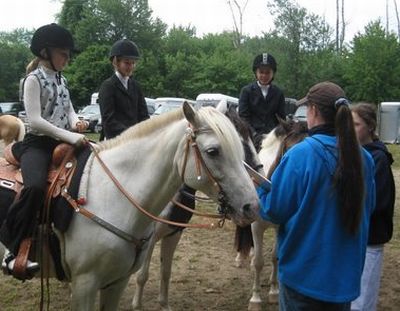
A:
(395, 150)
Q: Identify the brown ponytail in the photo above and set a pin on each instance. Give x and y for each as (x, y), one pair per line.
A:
(32, 65)
(349, 180)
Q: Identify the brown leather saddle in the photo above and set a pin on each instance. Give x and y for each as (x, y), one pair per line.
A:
(61, 170)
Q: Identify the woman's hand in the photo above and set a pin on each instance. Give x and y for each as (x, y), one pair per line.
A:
(81, 126)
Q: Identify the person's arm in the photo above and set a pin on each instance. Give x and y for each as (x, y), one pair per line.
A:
(39, 124)
(111, 126)
(279, 204)
(143, 113)
(244, 106)
(281, 106)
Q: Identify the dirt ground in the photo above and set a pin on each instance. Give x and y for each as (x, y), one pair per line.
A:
(204, 277)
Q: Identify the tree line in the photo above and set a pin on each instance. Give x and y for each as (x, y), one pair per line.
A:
(177, 63)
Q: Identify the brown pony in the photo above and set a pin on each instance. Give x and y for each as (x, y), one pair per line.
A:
(11, 129)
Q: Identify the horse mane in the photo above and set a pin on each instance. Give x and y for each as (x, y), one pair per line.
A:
(218, 123)
(224, 130)
(142, 129)
(296, 132)
(241, 126)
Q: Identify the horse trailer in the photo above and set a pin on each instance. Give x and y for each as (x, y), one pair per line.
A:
(389, 122)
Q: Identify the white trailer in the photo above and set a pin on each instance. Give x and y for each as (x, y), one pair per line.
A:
(389, 122)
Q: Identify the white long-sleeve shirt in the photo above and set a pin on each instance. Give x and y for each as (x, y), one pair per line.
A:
(48, 106)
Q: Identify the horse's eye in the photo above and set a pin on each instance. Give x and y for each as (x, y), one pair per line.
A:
(213, 152)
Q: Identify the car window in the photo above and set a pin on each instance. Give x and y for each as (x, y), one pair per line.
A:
(301, 113)
(91, 109)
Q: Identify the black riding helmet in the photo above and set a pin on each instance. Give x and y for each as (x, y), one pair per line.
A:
(124, 48)
(51, 36)
(264, 59)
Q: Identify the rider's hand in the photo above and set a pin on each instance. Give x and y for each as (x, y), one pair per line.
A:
(81, 126)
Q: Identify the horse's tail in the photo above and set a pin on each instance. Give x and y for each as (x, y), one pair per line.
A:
(243, 240)
(21, 132)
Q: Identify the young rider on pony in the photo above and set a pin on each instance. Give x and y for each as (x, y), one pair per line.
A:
(261, 101)
(51, 119)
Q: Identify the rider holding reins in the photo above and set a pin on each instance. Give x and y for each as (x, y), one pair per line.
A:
(52, 121)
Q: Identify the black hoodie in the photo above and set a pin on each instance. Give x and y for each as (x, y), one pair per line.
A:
(381, 225)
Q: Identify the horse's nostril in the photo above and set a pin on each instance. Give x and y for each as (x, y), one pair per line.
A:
(246, 208)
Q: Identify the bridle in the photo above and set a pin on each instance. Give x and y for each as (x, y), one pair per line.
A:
(191, 135)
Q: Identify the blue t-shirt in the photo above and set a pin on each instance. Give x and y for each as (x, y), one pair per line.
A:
(317, 256)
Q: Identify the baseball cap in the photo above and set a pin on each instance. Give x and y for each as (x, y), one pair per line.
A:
(324, 93)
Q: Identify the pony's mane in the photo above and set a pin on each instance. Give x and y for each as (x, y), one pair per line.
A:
(142, 129)
(219, 124)
(224, 130)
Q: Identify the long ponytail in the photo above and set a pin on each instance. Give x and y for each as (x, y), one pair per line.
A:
(348, 180)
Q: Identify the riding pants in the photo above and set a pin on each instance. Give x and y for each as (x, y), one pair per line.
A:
(35, 158)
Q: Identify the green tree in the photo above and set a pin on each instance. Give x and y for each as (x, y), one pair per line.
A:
(373, 66)
(14, 56)
(86, 73)
(304, 36)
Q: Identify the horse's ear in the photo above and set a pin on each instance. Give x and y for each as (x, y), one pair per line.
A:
(285, 124)
(222, 106)
(189, 112)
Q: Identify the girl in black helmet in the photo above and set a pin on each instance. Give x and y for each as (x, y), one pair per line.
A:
(52, 120)
(261, 101)
(122, 102)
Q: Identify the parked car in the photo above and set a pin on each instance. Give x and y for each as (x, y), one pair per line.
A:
(212, 99)
(91, 114)
(12, 108)
(301, 113)
(165, 104)
(151, 105)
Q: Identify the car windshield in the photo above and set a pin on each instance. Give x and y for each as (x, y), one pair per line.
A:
(301, 113)
(91, 109)
(5, 107)
(163, 108)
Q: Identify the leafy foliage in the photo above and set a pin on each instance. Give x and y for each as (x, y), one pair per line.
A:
(179, 63)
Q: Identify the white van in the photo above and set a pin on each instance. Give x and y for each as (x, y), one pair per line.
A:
(94, 99)
(165, 104)
(212, 99)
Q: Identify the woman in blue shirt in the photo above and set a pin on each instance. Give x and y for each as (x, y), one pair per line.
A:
(322, 195)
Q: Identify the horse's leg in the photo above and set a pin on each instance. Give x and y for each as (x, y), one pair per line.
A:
(143, 275)
(167, 250)
(258, 227)
(83, 292)
(243, 244)
(273, 279)
(111, 295)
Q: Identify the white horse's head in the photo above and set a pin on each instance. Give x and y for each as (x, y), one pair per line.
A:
(220, 154)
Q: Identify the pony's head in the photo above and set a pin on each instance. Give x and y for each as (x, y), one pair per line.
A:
(218, 150)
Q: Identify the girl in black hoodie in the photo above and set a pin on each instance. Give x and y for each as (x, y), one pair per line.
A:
(381, 225)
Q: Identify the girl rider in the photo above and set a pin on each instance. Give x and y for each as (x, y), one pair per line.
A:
(52, 120)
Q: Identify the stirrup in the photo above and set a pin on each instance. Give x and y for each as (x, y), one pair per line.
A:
(8, 265)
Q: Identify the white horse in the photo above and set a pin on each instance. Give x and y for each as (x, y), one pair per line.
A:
(150, 161)
(170, 236)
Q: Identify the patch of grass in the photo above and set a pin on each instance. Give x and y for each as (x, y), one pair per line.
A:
(395, 151)
(93, 136)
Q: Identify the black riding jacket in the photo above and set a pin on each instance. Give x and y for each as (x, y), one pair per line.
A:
(120, 107)
(260, 112)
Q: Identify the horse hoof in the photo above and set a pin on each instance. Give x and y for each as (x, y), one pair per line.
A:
(273, 298)
(254, 306)
(239, 263)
